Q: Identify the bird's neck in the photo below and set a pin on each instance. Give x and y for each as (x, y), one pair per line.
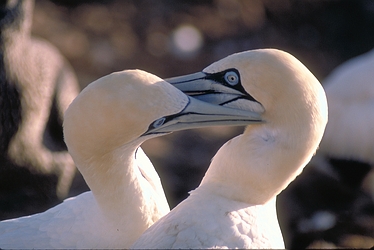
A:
(261, 163)
(118, 186)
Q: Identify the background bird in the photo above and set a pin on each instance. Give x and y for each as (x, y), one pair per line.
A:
(338, 207)
(36, 86)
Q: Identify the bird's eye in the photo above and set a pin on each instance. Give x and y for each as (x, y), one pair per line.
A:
(232, 78)
(159, 122)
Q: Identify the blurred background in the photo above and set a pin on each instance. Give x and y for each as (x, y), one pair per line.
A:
(170, 38)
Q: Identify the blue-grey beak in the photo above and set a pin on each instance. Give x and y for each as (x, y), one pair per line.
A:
(213, 101)
(197, 114)
(218, 88)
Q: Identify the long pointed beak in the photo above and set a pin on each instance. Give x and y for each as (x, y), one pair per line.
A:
(199, 114)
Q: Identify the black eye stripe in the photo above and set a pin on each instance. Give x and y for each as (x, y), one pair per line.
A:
(219, 77)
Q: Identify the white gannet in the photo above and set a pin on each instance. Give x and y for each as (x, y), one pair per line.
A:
(350, 90)
(103, 128)
(346, 142)
(234, 206)
(340, 206)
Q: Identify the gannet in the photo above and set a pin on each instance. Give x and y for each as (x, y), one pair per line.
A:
(103, 128)
(234, 206)
(37, 85)
(349, 90)
(341, 167)
(350, 95)
(346, 151)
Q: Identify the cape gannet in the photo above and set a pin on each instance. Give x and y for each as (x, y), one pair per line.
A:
(234, 206)
(103, 128)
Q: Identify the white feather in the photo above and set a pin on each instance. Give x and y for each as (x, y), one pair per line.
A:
(234, 206)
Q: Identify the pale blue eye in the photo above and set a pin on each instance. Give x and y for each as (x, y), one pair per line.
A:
(159, 122)
(232, 78)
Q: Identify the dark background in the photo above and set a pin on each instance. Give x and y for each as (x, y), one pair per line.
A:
(99, 37)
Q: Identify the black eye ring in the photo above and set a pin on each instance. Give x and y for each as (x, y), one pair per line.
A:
(232, 78)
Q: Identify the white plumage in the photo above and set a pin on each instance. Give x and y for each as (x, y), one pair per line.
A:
(234, 206)
(103, 128)
(350, 94)
(341, 168)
